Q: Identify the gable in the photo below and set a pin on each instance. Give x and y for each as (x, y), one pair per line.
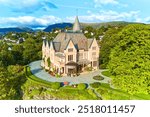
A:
(94, 44)
(70, 45)
(51, 46)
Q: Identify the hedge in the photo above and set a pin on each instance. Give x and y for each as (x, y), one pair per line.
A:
(39, 81)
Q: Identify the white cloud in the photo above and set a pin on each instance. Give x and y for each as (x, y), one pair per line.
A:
(147, 19)
(105, 16)
(27, 6)
(99, 3)
(106, 1)
(43, 21)
(29, 21)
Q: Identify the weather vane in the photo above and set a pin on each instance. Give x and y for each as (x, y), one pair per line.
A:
(77, 12)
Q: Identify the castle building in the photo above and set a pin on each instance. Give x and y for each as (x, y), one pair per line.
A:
(70, 52)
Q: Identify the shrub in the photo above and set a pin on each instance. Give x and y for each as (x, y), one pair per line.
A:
(102, 91)
(57, 75)
(55, 85)
(46, 70)
(103, 66)
(81, 86)
(88, 68)
(49, 62)
(95, 84)
(98, 77)
(107, 73)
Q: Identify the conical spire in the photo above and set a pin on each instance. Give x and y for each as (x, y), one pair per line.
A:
(76, 26)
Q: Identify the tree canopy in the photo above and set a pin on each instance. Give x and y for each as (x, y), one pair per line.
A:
(109, 41)
(11, 79)
(130, 59)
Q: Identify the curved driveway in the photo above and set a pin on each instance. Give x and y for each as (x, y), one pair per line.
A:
(37, 70)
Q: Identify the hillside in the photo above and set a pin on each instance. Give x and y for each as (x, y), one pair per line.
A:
(59, 25)
(64, 25)
(106, 24)
(15, 29)
(94, 25)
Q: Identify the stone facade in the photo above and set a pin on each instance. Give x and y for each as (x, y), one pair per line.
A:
(70, 52)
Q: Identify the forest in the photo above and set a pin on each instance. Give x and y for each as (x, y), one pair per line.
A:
(126, 54)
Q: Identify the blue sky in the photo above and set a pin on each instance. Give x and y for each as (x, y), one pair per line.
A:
(41, 13)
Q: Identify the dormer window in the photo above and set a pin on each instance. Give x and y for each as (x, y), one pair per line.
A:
(70, 50)
(93, 48)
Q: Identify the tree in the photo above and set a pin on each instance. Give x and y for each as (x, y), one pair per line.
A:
(6, 55)
(11, 79)
(48, 62)
(30, 51)
(107, 44)
(3, 81)
(17, 51)
(90, 30)
(129, 59)
(100, 32)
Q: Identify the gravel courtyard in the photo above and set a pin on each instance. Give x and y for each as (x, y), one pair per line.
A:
(37, 70)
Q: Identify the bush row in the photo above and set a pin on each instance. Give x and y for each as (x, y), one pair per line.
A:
(29, 75)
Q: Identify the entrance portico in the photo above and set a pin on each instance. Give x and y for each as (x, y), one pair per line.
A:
(71, 68)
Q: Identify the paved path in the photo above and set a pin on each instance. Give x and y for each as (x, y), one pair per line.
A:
(37, 70)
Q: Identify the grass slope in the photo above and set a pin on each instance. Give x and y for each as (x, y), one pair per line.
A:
(36, 88)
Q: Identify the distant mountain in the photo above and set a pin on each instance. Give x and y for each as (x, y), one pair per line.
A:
(106, 24)
(94, 25)
(15, 29)
(59, 25)
(64, 25)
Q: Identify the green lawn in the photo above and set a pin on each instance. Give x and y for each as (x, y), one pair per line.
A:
(35, 79)
(36, 88)
(106, 73)
(109, 93)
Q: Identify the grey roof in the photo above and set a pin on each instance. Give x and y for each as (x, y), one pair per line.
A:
(76, 36)
(44, 42)
(47, 43)
(76, 26)
(62, 39)
(57, 46)
(90, 41)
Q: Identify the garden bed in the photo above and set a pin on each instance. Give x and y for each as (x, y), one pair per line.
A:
(98, 77)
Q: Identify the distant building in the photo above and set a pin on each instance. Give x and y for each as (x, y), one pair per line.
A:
(101, 37)
(70, 52)
(20, 40)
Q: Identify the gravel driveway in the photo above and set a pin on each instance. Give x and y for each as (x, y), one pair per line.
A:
(37, 70)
